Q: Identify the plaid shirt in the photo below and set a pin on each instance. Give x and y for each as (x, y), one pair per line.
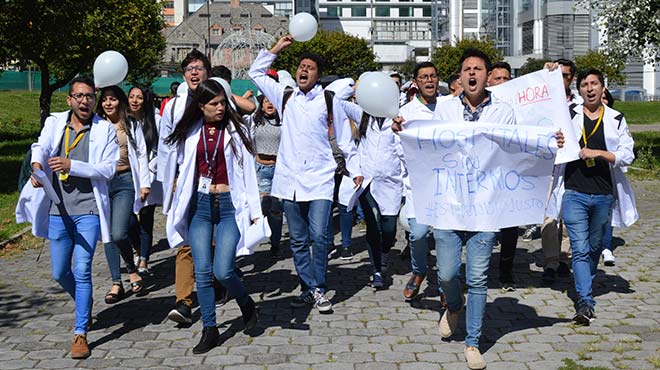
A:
(468, 114)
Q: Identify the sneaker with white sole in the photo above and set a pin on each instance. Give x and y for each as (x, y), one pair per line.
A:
(304, 299)
(321, 302)
(608, 257)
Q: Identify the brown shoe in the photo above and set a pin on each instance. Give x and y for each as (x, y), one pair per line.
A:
(80, 348)
(413, 285)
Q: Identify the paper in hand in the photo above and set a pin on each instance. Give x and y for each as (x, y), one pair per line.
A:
(46, 184)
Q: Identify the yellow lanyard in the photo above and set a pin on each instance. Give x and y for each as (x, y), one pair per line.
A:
(584, 133)
(67, 149)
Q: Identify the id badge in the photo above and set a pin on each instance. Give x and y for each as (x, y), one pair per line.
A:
(590, 162)
(204, 186)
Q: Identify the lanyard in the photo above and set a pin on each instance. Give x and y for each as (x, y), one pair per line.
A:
(584, 133)
(206, 152)
(67, 148)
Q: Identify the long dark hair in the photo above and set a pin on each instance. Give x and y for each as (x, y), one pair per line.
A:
(260, 115)
(125, 120)
(148, 117)
(364, 123)
(204, 93)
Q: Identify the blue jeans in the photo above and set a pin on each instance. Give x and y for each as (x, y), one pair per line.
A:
(381, 230)
(607, 237)
(345, 226)
(72, 244)
(479, 247)
(308, 224)
(419, 246)
(271, 207)
(146, 231)
(212, 217)
(585, 217)
(122, 195)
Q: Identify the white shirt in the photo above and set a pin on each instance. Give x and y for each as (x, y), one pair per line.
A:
(305, 167)
(381, 161)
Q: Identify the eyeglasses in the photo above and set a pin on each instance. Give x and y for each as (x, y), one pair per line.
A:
(79, 97)
(194, 68)
(427, 77)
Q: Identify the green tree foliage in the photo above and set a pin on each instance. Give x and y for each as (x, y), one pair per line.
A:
(531, 65)
(611, 66)
(64, 37)
(631, 27)
(447, 57)
(406, 68)
(344, 55)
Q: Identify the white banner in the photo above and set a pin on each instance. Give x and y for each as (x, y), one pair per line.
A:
(478, 176)
(539, 99)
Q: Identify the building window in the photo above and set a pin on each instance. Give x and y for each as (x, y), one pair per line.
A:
(169, 19)
(382, 11)
(528, 37)
(168, 4)
(470, 4)
(405, 11)
(427, 12)
(470, 20)
(216, 32)
(359, 11)
(334, 11)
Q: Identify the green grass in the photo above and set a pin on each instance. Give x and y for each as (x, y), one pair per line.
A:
(11, 157)
(19, 113)
(639, 113)
(572, 365)
(647, 155)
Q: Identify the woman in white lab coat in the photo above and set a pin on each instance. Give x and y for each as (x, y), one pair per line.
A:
(127, 189)
(216, 198)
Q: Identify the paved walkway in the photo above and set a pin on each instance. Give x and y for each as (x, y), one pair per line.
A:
(526, 329)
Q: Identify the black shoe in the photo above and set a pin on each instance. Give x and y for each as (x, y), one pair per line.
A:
(250, 315)
(221, 297)
(274, 252)
(346, 254)
(584, 315)
(563, 270)
(182, 314)
(507, 284)
(531, 233)
(210, 337)
(548, 276)
(332, 252)
(384, 262)
(304, 299)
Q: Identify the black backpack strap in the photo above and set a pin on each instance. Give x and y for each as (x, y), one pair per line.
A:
(285, 98)
(329, 95)
(620, 119)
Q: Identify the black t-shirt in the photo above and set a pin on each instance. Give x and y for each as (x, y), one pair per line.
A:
(590, 180)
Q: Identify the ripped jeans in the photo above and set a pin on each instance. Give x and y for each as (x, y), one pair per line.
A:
(479, 247)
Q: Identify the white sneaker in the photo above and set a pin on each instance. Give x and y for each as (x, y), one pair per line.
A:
(321, 302)
(608, 257)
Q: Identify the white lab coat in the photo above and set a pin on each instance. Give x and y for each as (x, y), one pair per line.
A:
(139, 160)
(33, 204)
(305, 167)
(242, 186)
(618, 141)
(381, 158)
(166, 159)
(413, 110)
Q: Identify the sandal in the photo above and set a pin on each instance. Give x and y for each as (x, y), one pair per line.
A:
(112, 298)
(136, 286)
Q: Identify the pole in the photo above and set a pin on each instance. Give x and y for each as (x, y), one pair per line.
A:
(208, 28)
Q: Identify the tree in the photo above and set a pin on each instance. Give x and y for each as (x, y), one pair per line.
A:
(531, 65)
(344, 55)
(611, 66)
(447, 57)
(631, 27)
(406, 68)
(64, 37)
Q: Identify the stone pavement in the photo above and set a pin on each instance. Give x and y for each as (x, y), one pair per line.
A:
(526, 329)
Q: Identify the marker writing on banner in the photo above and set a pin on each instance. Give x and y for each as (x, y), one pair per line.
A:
(507, 138)
(470, 182)
(437, 209)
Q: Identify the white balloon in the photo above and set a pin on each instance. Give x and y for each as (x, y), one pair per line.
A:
(110, 68)
(283, 73)
(303, 26)
(378, 95)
